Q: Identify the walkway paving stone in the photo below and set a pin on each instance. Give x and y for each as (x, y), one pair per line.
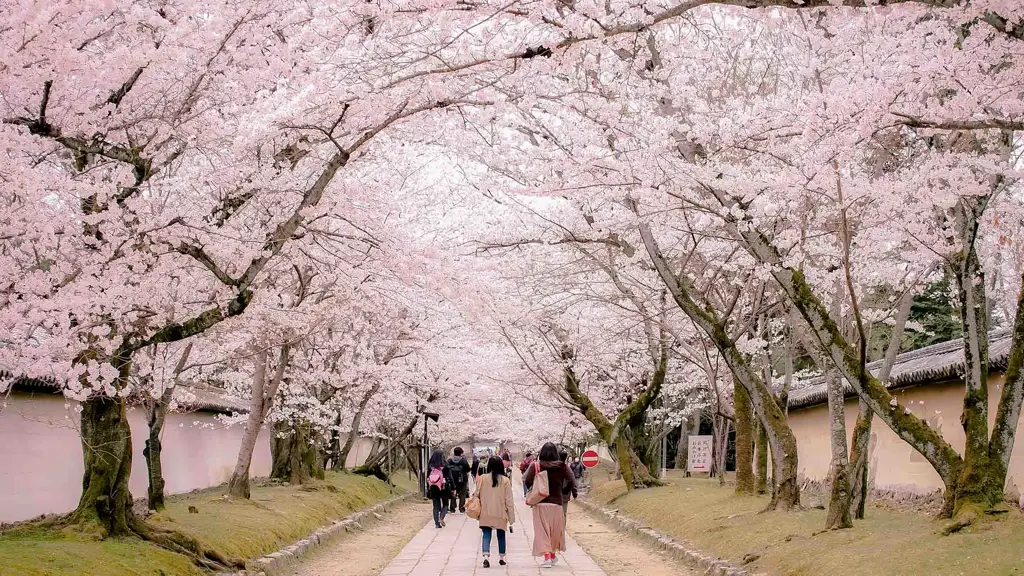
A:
(455, 551)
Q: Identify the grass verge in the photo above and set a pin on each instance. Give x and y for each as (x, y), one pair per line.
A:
(715, 520)
(274, 517)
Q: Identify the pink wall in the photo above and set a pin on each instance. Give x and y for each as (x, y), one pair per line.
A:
(41, 454)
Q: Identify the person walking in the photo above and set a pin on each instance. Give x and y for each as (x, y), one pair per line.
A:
(474, 468)
(568, 485)
(439, 483)
(548, 514)
(577, 468)
(458, 470)
(497, 510)
(523, 467)
(506, 459)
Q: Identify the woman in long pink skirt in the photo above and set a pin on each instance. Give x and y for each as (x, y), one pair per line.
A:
(548, 515)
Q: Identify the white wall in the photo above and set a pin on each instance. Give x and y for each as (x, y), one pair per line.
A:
(41, 454)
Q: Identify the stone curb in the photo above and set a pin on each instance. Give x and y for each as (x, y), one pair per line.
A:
(278, 562)
(679, 550)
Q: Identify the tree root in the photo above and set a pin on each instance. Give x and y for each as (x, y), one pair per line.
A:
(186, 545)
(957, 526)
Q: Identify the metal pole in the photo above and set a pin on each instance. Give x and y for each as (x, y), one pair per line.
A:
(664, 454)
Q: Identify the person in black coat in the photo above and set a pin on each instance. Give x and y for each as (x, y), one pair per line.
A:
(458, 469)
(439, 486)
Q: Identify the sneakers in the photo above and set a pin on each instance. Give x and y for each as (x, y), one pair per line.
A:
(546, 563)
(437, 524)
(501, 560)
(487, 563)
(554, 560)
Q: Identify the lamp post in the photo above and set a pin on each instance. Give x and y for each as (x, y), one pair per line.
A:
(425, 451)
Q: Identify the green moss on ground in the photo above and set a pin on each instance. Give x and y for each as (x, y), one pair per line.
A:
(45, 553)
(715, 520)
(275, 517)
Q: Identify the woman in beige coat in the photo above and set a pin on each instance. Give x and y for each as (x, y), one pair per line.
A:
(497, 511)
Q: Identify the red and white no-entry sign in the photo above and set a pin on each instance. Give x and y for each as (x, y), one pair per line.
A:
(589, 458)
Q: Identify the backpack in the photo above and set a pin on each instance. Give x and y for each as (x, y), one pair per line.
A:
(456, 474)
(436, 478)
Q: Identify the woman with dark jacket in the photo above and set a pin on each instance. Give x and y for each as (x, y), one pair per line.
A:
(569, 486)
(548, 515)
(439, 486)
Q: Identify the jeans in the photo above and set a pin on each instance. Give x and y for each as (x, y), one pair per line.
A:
(487, 540)
(440, 507)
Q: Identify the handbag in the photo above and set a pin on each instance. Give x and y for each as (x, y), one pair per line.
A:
(541, 489)
(473, 507)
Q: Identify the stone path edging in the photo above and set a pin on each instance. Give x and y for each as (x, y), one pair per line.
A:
(692, 557)
(277, 562)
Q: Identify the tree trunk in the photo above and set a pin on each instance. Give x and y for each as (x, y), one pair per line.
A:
(979, 486)
(830, 341)
(860, 447)
(107, 447)
(762, 459)
(354, 434)
(281, 451)
(294, 452)
(859, 455)
(744, 441)
(262, 398)
(765, 405)
(839, 502)
(683, 446)
(721, 441)
(157, 416)
(617, 436)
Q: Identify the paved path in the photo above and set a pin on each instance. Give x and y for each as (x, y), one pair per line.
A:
(455, 550)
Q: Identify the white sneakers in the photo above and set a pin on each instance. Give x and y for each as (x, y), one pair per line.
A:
(549, 563)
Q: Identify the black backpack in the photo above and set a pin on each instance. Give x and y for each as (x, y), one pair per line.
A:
(457, 473)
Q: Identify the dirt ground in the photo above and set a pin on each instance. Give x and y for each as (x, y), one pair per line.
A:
(618, 553)
(367, 553)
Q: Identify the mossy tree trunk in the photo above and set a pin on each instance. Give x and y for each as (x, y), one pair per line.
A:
(156, 416)
(980, 483)
(860, 446)
(106, 501)
(831, 342)
(617, 435)
(761, 465)
(634, 472)
(765, 405)
(745, 484)
(295, 453)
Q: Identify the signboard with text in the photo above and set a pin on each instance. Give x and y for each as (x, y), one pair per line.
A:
(699, 455)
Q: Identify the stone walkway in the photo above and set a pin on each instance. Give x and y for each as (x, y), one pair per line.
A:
(455, 550)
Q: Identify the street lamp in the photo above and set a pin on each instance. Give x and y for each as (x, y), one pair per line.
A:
(425, 452)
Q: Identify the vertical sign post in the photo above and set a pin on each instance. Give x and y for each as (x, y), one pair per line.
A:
(699, 459)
